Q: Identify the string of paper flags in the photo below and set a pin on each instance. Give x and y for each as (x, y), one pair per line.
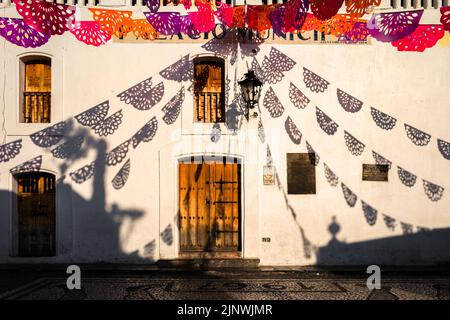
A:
(433, 191)
(370, 213)
(349, 103)
(42, 19)
(142, 96)
(271, 72)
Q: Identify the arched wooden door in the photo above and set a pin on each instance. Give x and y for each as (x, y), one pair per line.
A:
(210, 206)
(36, 214)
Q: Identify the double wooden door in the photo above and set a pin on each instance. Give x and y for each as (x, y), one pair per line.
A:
(210, 205)
(36, 214)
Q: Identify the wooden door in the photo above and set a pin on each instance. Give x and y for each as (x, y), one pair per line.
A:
(36, 214)
(209, 206)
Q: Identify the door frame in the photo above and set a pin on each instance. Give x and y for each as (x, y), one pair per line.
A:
(214, 157)
(14, 224)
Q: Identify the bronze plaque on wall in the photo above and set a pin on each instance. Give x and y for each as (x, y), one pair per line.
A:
(301, 173)
(375, 172)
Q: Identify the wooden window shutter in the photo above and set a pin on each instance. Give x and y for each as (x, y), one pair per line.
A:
(37, 92)
(209, 91)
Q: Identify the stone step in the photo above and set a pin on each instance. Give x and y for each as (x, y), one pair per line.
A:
(214, 263)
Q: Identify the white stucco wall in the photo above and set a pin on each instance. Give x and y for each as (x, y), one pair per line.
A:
(126, 226)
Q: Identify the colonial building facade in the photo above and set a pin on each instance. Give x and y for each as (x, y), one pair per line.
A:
(141, 151)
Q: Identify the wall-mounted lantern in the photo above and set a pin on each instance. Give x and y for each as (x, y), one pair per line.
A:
(251, 91)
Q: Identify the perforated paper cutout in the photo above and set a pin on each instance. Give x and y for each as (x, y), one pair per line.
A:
(119, 180)
(326, 123)
(338, 25)
(109, 125)
(203, 19)
(348, 102)
(116, 155)
(273, 104)
(388, 27)
(84, 173)
(297, 97)
(360, 7)
(425, 36)
(418, 137)
(294, 14)
(331, 177)
(46, 17)
(152, 5)
(314, 82)
(32, 165)
(382, 120)
(444, 148)
(141, 29)
(379, 159)
(165, 23)
(313, 155)
(349, 196)
(370, 213)
(406, 228)
(181, 70)
(407, 178)
(10, 150)
(113, 22)
(18, 32)
(433, 191)
(355, 146)
(173, 107)
(49, 136)
(68, 148)
(445, 17)
(390, 222)
(90, 33)
(258, 17)
(293, 132)
(143, 96)
(146, 133)
(325, 9)
(93, 115)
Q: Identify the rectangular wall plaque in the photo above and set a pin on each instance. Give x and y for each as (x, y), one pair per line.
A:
(375, 172)
(301, 173)
(268, 175)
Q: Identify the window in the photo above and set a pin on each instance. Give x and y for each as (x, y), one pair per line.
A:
(301, 173)
(36, 89)
(209, 88)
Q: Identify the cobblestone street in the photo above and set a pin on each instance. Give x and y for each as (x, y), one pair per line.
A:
(212, 285)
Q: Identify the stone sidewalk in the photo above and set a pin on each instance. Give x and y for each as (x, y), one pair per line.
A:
(150, 283)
